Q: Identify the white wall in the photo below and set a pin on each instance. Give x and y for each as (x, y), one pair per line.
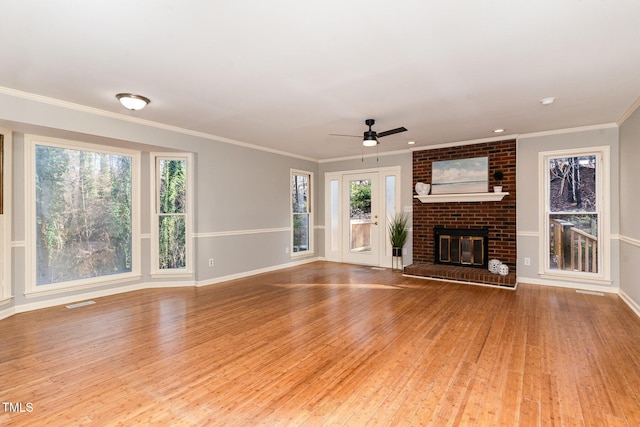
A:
(528, 209)
(630, 210)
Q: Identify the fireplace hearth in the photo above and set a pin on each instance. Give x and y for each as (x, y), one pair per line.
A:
(461, 247)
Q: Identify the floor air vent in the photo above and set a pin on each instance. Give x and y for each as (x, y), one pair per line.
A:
(81, 304)
(580, 291)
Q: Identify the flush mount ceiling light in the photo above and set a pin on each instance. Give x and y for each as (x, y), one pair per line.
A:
(547, 101)
(498, 130)
(411, 143)
(133, 102)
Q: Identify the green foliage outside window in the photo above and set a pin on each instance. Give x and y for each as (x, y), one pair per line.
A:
(83, 214)
(360, 204)
(300, 211)
(172, 209)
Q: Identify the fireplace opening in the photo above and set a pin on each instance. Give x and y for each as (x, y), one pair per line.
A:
(464, 247)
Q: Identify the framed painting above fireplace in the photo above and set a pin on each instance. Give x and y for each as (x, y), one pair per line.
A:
(458, 176)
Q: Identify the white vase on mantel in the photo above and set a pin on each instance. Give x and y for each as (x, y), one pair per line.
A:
(497, 188)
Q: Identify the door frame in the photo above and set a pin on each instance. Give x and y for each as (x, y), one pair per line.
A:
(334, 226)
(5, 218)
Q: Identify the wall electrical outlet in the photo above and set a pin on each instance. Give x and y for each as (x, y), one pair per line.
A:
(527, 261)
(210, 262)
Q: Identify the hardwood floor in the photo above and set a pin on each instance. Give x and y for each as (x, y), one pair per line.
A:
(326, 344)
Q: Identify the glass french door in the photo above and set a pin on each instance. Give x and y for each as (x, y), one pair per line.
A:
(361, 230)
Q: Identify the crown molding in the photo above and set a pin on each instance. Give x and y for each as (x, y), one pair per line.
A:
(468, 142)
(632, 109)
(117, 116)
(568, 130)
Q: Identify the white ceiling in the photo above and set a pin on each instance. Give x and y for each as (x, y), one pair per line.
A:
(284, 74)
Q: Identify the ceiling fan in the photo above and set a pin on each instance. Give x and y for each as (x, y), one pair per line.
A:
(370, 138)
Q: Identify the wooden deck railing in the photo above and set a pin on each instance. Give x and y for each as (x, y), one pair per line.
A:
(360, 235)
(573, 249)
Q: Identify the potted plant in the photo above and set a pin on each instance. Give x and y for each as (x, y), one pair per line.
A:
(398, 233)
(498, 176)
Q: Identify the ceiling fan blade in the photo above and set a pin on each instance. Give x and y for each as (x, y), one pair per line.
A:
(392, 131)
(350, 136)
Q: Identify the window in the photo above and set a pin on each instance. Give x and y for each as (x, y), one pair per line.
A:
(575, 235)
(301, 219)
(171, 225)
(390, 197)
(82, 215)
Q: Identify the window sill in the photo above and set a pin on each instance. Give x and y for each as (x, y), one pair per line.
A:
(159, 275)
(302, 254)
(5, 300)
(54, 289)
(577, 279)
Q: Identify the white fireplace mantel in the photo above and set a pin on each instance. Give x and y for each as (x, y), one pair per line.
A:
(462, 197)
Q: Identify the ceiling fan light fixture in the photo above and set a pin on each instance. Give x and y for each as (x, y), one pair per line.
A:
(370, 141)
(370, 138)
(133, 102)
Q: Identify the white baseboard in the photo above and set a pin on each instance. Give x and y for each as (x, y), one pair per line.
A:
(78, 298)
(10, 311)
(570, 285)
(508, 288)
(97, 294)
(7, 312)
(630, 302)
(244, 274)
(22, 308)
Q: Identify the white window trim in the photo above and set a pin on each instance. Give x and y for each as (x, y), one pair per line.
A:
(5, 280)
(31, 289)
(310, 208)
(603, 190)
(155, 234)
(329, 253)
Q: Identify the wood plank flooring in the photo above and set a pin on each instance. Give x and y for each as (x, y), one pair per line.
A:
(326, 344)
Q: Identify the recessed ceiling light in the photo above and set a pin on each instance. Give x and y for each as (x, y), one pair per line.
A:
(133, 102)
(547, 101)
(411, 142)
(498, 130)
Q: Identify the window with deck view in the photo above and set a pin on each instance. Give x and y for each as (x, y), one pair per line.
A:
(573, 213)
(301, 212)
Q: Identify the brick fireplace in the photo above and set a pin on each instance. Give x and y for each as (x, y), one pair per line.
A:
(497, 219)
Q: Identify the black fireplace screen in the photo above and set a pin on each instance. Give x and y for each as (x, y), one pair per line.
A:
(466, 247)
